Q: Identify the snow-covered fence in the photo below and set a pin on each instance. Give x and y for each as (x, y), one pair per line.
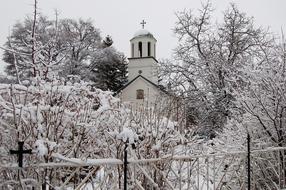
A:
(68, 174)
(179, 172)
(213, 171)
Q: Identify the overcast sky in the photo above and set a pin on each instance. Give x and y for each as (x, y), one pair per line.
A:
(121, 18)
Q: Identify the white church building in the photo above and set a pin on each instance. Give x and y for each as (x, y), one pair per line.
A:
(142, 87)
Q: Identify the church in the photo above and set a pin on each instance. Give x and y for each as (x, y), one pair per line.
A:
(143, 87)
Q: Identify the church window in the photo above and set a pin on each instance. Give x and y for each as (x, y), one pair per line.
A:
(132, 49)
(149, 48)
(140, 94)
(140, 49)
(154, 50)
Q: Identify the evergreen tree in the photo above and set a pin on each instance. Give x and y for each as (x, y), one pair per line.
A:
(109, 69)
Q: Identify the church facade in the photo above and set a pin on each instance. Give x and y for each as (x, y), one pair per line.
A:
(142, 87)
(143, 90)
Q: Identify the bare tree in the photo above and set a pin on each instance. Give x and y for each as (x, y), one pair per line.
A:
(208, 61)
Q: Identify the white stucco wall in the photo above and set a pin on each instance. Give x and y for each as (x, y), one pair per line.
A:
(165, 104)
(148, 67)
(151, 93)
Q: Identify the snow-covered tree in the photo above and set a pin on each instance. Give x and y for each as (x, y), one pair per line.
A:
(232, 76)
(80, 39)
(208, 60)
(20, 44)
(262, 105)
(64, 47)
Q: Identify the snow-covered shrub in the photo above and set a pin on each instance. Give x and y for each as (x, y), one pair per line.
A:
(157, 135)
(71, 120)
(53, 118)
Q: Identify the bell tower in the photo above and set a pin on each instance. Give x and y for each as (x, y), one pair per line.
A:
(143, 56)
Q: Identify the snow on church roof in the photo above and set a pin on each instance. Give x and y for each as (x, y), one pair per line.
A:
(143, 32)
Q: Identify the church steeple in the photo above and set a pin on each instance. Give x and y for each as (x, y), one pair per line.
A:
(143, 43)
(143, 55)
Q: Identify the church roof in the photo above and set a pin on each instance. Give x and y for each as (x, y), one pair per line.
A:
(157, 86)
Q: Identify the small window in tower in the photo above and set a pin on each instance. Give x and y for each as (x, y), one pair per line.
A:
(132, 50)
(155, 50)
(139, 94)
(140, 49)
(149, 48)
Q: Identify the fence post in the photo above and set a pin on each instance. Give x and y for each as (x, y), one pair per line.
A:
(248, 163)
(47, 183)
(125, 162)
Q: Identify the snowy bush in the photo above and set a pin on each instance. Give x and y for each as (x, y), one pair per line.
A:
(71, 120)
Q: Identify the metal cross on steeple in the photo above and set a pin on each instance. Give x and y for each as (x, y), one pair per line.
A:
(143, 23)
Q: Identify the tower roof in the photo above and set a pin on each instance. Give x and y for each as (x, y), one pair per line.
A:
(142, 33)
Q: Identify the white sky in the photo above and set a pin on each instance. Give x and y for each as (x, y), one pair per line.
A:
(121, 18)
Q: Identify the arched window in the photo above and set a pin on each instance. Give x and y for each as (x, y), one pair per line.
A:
(140, 49)
(140, 94)
(149, 48)
(132, 50)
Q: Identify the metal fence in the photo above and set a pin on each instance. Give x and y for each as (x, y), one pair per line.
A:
(196, 172)
(213, 171)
